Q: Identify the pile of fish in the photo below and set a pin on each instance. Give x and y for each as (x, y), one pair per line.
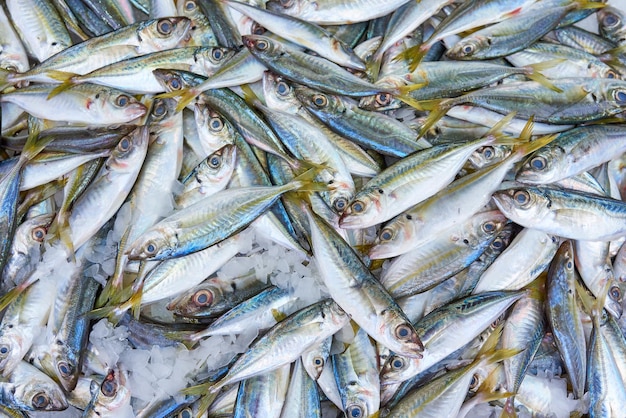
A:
(388, 208)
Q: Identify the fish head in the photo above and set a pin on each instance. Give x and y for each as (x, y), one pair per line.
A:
(366, 210)
(155, 244)
(314, 364)
(200, 298)
(162, 34)
(40, 395)
(614, 92)
(522, 204)
(340, 194)
(218, 167)
(170, 80)
(11, 349)
(162, 114)
(611, 23)
(469, 47)
(278, 93)
(488, 155)
(112, 394)
(541, 166)
(213, 129)
(260, 45)
(114, 106)
(208, 60)
(394, 238)
(130, 151)
(63, 366)
(358, 406)
(383, 100)
(296, 8)
(397, 369)
(400, 335)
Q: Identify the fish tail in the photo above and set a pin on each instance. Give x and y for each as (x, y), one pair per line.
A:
(11, 295)
(35, 143)
(372, 67)
(413, 55)
(61, 88)
(612, 56)
(186, 97)
(305, 182)
(533, 73)
(61, 230)
(249, 95)
(508, 410)
(586, 4)
(4, 78)
(112, 292)
(433, 117)
(527, 147)
(497, 131)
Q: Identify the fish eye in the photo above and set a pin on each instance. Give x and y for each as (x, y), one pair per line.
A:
(159, 109)
(185, 413)
(190, 5)
(474, 382)
(38, 234)
(357, 206)
(538, 163)
(521, 197)
(40, 401)
(488, 153)
(64, 369)
(354, 411)
(469, 49)
(610, 20)
(489, 226)
(403, 332)
(620, 97)
(611, 74)
(214, 161)
(383, 99)
(386, 235)
(4, 350)
(261, 44)
(397, 363)
(257, 29)
(108, 388)
(202, 298)
(175, 83)
(217, 54)
(124, 144)
(320, 100)
(282, 88)
(122, 100)
(151, 248)
(318, 361)
(216, 124)
(615, 293)
(286, 3)
(340, 204)
(497, 243)
(569, 265)
(164, 26)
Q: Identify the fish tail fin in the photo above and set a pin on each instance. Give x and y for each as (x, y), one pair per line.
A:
(35, 143)
(61, 230)
(526, 147)
(533, 72)
(186, 97)
(113, 290)
(372, 67)
(5, 75)
(249, 95)
(414, 55)
(610, 57)
(113, 312)
(61, 88)
(437, 112)
(497, 131)
(305, 182)
(11, 295)
(508, 410)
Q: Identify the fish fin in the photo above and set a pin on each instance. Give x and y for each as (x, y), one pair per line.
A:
(113, 288)
(197, 390)
(249, 95)
(62, 76)
(413, 55)
(11, 295)
(433, 117)
(587, 4)
(536, 76)
(278, 315)
(169, 95)
(114, 312)
(305, 182)
(186, 97)
(508, 410)
(61, 230)
(60, 88)
(491, 343)
(497, 130)
(412, 87)
(35, 143)
(587, 299)
(527, 131)
(4, 78)
(372, 67)
(526, 148)
(610, 57)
